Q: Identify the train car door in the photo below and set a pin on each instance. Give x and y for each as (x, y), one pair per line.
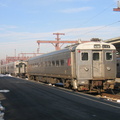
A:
(22, 68)
(84, 65)
(110, 64)
(98, 68)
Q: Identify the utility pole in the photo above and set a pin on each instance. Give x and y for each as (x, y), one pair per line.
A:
(56, 43)
(58, 40)
(118, 7)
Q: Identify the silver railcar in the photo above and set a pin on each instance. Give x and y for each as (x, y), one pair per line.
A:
(86, 66)
(3, 69)
(17, 68)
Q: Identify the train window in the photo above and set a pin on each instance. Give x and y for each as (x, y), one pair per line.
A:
(57, 62)
(16, 65)
(108, 56)
(117, 64)
(53, 63)
(62, 62)
(96, 56)
(97, 46)
(84, 56)
(105, 46)
(20, 65)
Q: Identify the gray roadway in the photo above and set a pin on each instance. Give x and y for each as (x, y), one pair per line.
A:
(34, 101)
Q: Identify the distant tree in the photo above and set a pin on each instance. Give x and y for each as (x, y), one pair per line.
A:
(95, 39)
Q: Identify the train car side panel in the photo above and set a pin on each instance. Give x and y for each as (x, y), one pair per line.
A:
(110, 64)
(84, 65)
(52, 65)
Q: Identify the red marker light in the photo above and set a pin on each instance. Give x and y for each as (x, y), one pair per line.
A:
(69, 62)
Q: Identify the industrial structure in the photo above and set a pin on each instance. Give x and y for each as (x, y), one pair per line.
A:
(118, 7)
(26, 56)
(56, 43)
(21, 56)
(115, 42)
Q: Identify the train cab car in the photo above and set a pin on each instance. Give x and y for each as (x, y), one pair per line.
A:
(21, 67)
(85, 66)
(95, 65)
(3, 69)
(17, 68)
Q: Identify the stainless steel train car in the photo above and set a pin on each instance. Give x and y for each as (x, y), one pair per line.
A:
(17, 68)
(118, 67)
(86, 66)
(3, 69)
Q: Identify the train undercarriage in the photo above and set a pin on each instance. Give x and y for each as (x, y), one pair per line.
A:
(93, 85)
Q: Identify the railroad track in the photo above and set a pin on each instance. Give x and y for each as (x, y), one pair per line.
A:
(109, 95)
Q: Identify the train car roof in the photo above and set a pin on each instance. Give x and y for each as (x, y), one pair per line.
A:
(95, 45)
(51, 53)
(86, 46)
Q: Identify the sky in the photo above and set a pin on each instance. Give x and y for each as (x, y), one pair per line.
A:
(23, 22)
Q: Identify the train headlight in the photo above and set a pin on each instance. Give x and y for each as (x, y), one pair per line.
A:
(108, 68)
(97, 46)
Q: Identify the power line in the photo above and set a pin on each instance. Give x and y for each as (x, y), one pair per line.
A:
(98, 14)
(100, 28)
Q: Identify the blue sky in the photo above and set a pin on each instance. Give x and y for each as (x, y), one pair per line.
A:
(23, 22)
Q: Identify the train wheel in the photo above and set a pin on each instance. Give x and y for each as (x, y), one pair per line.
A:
(67, 84)
(99, 91)
(37, 79)
(31, 77)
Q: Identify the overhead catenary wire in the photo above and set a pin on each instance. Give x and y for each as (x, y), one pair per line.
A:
(94, 17)
(100, 28)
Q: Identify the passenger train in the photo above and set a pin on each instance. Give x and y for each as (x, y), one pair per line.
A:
(84, 66)
(17, 68)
